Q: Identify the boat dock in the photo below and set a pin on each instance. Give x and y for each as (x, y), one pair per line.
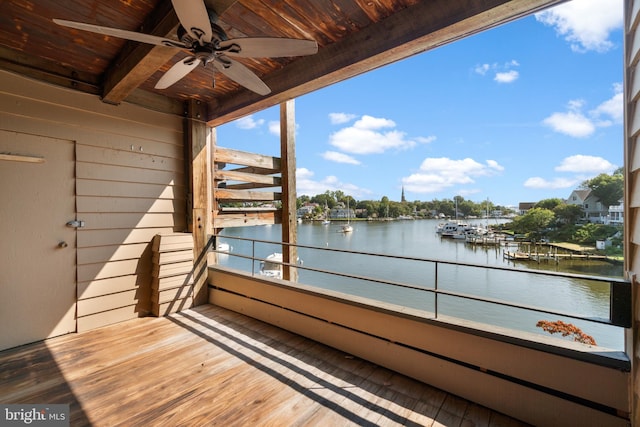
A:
(549, 256)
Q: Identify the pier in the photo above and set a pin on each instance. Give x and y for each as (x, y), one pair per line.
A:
(572, 251)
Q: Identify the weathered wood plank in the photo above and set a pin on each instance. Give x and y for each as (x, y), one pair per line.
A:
(174, 269)
(162, 283)
(167, 295)
(256, 170)
(247, 195)
(248, 372)
(223, 219)
(89, 238)
(128, 157)
(99, 287)
(173, 256)
(130, 220)
(247, 186)
(86, 187)
(237, 157)
(234, 175)
(128, 204)
(93, 169)
(111, 253)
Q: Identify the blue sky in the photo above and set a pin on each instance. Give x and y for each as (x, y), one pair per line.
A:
(523, 112)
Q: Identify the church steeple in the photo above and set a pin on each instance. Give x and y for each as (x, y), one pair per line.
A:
(402, 199)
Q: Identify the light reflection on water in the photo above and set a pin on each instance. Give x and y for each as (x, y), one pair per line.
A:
(418, 239)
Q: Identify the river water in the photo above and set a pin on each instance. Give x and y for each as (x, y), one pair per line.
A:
(417, 238)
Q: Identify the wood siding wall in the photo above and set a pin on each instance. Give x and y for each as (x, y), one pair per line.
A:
(130, 186)
(632, 186)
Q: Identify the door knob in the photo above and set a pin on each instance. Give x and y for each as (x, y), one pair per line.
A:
(62, 245)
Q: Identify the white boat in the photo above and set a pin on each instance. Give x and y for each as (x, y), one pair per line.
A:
(326, 222)
(272, 266)
(451, 228)
(347, 228)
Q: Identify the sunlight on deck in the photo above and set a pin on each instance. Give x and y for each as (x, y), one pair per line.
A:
(211, 366)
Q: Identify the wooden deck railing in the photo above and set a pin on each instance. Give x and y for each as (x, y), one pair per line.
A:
(619, 288)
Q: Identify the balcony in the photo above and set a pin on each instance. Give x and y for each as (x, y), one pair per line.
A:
(209, 365)
(273, 352)
(536, 378)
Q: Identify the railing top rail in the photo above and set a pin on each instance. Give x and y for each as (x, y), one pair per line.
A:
(438, 261)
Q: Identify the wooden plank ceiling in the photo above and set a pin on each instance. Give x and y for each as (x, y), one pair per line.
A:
(354, 36)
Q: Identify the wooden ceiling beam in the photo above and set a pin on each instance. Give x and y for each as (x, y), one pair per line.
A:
(138, 61)
(397, 37)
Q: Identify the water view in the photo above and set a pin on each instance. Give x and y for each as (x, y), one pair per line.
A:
(418, 239)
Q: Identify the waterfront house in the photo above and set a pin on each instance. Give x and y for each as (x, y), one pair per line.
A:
(306, 210)
(110, 196)
(616, 214)
(523, 207)
(341, 213)
(593, 210)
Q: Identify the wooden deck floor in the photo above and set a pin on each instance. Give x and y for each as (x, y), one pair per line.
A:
(210, 366)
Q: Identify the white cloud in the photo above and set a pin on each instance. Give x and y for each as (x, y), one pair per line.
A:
(305, 184)
(334, 156)
(571, 123)
(502, 73)
(579, 125)
(585, 24)
(555, 184)
(580, 165)
(612, 110)
(274, 128)
(249, 122)
(507, 76)
(585, 164)
(494, 165)
(437, 174)
(482, 69)
(426, 139)
(339, 118)
(368, 135)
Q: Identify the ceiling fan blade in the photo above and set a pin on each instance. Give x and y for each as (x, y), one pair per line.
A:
(194, 18)
(123, 34)
(241, 75)
(178, 71)
(269, 47)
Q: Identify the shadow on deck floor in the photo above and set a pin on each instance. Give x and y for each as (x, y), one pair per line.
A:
(211, 366)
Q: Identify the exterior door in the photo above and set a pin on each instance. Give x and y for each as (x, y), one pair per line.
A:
(37, 248)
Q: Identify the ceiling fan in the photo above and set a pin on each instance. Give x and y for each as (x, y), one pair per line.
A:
(207, 43)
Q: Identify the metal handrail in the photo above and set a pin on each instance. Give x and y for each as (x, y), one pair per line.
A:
(619, 309)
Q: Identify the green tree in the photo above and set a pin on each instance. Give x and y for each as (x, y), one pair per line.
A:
(550, 204)
(534, 222)
(608, 188)
(300, 201)
(327, 198)
(567, 214)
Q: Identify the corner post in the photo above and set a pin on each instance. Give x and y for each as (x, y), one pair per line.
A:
(198, 144)
(288, 167)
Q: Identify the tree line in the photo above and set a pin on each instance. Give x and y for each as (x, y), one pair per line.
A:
(386, 208)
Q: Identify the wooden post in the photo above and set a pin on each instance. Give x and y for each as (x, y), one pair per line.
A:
(198, 142)
(213, 203)
(288, 167)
